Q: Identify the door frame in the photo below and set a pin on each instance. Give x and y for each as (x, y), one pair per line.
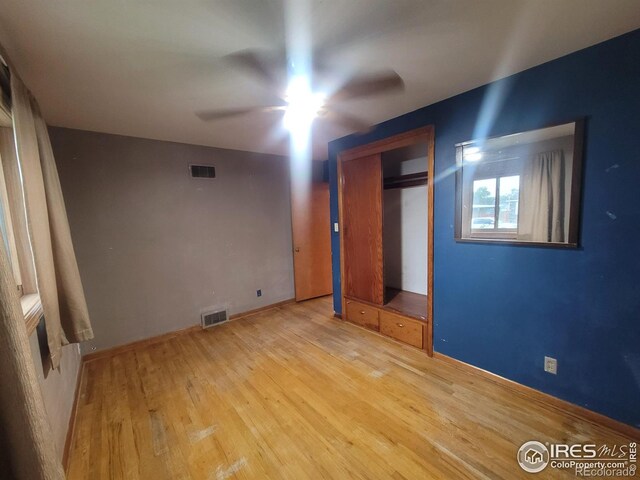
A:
(420, 135)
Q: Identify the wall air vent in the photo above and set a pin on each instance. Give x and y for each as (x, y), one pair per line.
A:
(202, 171)
(209, 319)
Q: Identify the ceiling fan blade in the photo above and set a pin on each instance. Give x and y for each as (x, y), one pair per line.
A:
(367, 86)
(209, 115)
(258, 65)
(350, 122)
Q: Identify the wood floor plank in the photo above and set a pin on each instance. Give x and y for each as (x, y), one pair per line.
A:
(292, 393)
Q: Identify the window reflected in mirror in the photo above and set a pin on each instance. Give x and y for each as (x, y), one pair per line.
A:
(522, 188)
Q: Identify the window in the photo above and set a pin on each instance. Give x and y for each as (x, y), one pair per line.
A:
(523, 187)
(13, 220)
(494, 191)
(495, 205)
(6, 227)
(6, 126)
(484, 204)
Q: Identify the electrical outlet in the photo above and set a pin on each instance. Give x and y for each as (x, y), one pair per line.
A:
(551, 365)
(336, 228)
(259, 293)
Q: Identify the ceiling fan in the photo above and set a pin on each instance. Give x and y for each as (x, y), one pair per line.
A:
(298, 101)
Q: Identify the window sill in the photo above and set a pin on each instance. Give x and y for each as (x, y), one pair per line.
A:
(32, 311)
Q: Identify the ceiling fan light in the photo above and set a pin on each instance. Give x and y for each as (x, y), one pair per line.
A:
(303, 105)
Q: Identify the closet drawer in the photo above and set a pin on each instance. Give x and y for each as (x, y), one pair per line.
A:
(362, 314)
(401, 328)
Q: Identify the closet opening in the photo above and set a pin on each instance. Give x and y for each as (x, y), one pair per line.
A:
(405, 229)
(385, 200)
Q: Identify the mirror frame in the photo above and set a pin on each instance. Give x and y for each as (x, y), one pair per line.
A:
(575, 194)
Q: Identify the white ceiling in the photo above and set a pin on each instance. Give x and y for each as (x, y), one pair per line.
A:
(141, 68)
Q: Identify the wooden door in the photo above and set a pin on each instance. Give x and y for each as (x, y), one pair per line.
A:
(362, 228)
(311, 240)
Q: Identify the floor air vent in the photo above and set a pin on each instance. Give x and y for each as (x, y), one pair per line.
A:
(210, 319)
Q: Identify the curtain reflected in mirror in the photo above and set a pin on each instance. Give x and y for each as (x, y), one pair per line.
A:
(521, 188)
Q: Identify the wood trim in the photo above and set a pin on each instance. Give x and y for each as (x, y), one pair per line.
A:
(518, 243)
(113, 351)
(71, 429)
(337, 315)
(575, 203)
(431, 166)
(262, 309)
(110, 352)
(424, 134)
(390, 143)
(566, 407)
(32, 311)
(341, 232)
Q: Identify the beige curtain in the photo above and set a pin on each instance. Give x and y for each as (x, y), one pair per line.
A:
(13, 183)
(542, 204)
(27, 446)
(63, 302)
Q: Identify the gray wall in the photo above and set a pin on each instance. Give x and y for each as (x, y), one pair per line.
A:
(156, 247)
(58, 386)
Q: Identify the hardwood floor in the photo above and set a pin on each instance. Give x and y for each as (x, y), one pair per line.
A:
(292, 393)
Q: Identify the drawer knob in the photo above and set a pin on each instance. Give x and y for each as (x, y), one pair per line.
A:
(361, 312)
(400, 324)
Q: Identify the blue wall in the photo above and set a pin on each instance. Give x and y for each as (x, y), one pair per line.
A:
(503, 308)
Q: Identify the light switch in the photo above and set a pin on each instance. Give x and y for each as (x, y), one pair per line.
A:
(335, 227)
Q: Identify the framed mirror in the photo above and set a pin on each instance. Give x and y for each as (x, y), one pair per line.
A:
(521, 188)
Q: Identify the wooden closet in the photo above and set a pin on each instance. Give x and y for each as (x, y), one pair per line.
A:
(373, 263)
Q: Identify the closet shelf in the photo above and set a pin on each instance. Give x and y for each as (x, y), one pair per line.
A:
(405, 181)
(407, 303)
